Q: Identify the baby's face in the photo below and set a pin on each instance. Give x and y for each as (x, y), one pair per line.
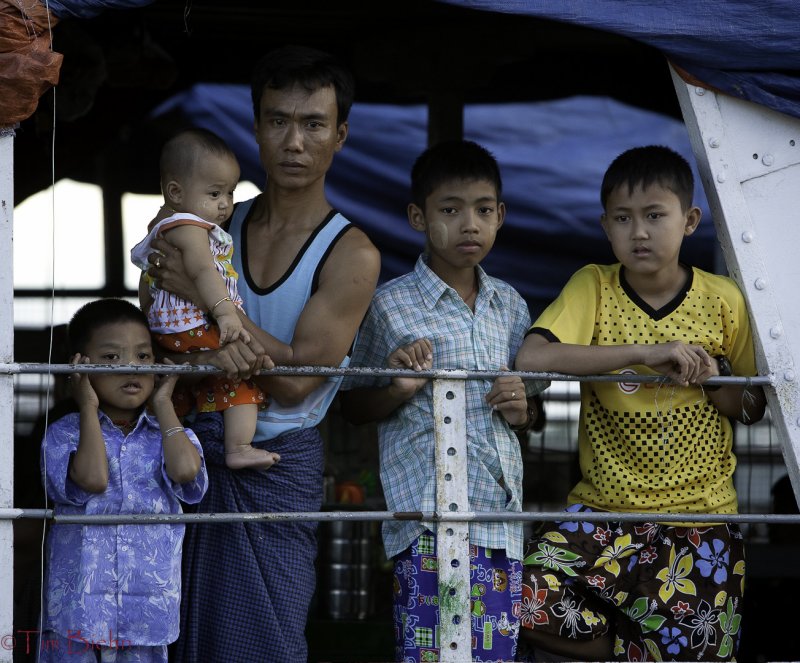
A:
(208, 193)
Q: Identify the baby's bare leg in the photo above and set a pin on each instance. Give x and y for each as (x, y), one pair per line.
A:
(240, 426)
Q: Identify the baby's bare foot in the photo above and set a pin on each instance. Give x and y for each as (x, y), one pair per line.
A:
(247, 457)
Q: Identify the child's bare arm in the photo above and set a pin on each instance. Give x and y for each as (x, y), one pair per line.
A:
(744, 404)
(681, 362)
(199, 265)
(88, 467)
(181, 459)
(366, 404)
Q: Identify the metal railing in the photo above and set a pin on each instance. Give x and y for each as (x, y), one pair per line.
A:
(452, 515)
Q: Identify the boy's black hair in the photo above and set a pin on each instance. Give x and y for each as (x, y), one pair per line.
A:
(648, 165)
(452, 160)
(313, 69)
(96, 314)
(183, 150)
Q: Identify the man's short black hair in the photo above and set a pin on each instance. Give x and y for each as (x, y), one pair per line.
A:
(452, 160)
(308, 67)
(96, 314)
(648, 165)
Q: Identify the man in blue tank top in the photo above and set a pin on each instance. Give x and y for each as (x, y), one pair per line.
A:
(306, 277)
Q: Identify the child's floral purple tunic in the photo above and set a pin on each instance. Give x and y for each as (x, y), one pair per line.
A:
(119, 582)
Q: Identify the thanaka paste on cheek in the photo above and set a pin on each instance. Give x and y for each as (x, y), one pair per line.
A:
(438, 234)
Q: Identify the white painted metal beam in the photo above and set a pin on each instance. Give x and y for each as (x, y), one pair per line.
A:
(749, 160)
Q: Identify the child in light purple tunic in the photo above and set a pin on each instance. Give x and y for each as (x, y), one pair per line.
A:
(113, 591)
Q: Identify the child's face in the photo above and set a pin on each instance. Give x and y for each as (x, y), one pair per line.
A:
(208, 192)
(121, 395)
(460, 221)
(646, 228)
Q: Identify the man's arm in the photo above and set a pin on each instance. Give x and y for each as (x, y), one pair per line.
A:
(324, 332)
(237, 359)
(329, 322)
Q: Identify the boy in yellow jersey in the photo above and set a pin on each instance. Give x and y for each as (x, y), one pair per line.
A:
(645, 591)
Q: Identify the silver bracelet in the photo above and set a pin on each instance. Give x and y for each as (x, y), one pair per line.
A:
(173, 431)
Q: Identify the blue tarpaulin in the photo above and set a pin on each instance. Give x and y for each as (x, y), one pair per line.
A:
(553, 153)
(552, 156)
(749, 49)
(90, 8)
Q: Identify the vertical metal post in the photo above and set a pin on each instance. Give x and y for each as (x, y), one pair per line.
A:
(452, 538)
(6, 388)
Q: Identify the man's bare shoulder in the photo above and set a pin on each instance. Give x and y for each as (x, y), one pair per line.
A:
(357, 238)
(355, 252)
(351, 272)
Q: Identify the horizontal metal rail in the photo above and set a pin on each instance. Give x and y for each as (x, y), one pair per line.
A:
(452, 525)
(427, 516)
(327, 371)
(30, 368)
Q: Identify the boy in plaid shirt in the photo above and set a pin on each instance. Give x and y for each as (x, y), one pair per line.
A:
(449, 314)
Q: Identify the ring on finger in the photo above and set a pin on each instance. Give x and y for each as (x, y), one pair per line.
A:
(158, 263)
(513, 394)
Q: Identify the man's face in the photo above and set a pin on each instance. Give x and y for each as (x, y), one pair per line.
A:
(297, 135)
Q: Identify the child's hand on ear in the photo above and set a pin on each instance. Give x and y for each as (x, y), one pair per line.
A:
(164, 386)
(81, 387)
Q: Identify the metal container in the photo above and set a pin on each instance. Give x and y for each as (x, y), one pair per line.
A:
(346, 604)
(347, 551)
(348, 576)
(346, 558)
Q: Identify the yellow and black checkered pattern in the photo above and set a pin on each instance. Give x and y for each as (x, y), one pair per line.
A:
(650, 447)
